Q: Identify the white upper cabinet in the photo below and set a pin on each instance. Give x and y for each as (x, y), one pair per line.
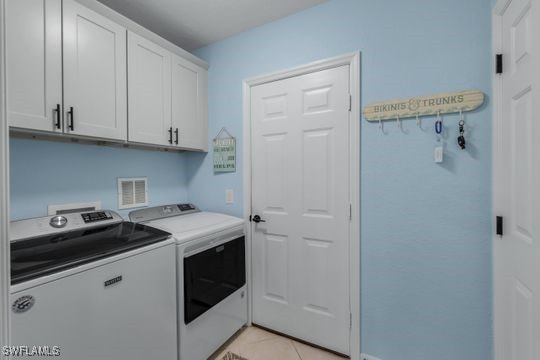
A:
(95, 86)
(189, 102)
(149, 93)
(74, 71)
(34, 64)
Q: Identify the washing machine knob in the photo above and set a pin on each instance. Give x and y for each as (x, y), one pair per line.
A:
(58, 221)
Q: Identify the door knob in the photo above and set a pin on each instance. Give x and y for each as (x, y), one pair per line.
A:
(257, 219)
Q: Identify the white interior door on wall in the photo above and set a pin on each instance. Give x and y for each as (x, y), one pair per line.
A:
(34, 64)
(95, 79)
(517, 195)
(300, 188)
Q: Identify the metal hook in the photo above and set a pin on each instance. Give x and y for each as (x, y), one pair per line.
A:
(438, 125)
(461, 118)
(381, 125)
(398, 122)
(418, 122)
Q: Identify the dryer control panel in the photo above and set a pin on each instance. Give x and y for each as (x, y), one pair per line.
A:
(160, 212)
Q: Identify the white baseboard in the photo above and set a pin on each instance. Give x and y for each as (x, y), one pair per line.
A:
(368, 357)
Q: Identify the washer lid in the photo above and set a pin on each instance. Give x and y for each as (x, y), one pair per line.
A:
(187, 227)
(36, 257)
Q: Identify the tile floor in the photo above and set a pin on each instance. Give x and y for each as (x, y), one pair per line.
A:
(254, 343)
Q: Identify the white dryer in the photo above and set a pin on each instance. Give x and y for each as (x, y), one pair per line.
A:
(211, 274)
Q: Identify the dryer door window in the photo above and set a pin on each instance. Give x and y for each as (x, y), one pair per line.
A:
(212, 275)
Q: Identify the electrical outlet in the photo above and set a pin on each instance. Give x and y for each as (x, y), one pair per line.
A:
(229, 196)
(368, 357)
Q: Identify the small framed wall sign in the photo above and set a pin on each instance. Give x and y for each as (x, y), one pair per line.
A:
(224, 152)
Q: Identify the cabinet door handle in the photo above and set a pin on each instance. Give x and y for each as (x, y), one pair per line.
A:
(58, 115)
(176, 133)
(170, 135)
(71, 125)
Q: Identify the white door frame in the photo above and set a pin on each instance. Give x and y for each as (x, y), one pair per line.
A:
(353, 60)
(4, 193)
(497, 166)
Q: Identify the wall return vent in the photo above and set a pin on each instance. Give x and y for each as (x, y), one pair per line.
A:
(132, 192)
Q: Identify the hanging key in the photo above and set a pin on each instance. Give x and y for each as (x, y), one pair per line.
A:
(461, 137)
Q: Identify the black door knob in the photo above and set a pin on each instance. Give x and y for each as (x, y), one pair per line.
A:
(257, 219)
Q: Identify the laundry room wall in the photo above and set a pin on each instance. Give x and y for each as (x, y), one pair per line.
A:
(45, 172)
(426, 228)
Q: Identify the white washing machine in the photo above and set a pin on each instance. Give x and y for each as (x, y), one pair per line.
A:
(90, 286)
(211, 274)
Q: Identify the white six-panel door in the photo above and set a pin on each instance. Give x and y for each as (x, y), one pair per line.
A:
(517, 198)
(94, 74)
(149, 69)
(34, 64)
(300, 187)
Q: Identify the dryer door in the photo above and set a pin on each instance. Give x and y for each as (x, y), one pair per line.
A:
(212, 275)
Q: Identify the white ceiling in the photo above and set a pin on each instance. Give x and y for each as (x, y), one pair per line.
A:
(191, 24)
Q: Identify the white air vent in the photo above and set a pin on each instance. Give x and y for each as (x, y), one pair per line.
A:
(132, 192)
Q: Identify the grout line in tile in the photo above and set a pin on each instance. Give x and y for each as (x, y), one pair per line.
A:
(263, 340)
(296, 349)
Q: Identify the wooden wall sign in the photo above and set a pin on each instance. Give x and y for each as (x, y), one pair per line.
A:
(424, 106)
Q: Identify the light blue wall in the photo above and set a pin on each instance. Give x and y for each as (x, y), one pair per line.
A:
(426, 252)
(44, 172)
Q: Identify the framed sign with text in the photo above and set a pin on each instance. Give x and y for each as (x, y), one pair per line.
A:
(224, 145)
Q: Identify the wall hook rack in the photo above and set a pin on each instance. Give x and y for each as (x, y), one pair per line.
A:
(417, 107)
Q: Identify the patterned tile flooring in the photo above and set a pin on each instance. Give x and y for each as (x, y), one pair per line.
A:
(254, 343)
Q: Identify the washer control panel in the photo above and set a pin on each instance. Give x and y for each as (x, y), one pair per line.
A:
(48, 225)
(91, 217)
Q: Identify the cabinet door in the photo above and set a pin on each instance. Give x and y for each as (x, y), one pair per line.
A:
(94, 74)
(189, 104)
(34, 64)
(149, 92)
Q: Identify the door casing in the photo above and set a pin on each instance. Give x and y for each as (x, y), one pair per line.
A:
(4, 193)
(497, 164)
(497, 151)
(353, 60)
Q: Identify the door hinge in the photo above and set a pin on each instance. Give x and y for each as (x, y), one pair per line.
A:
(350, 321)
(350, 211)
(350, 102)
(499, 64)
(500, 226)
